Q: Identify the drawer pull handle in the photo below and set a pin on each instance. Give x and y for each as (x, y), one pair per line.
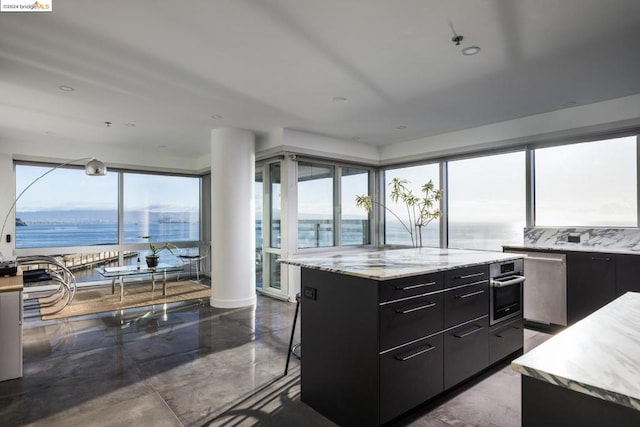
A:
(405, 357)
(411, 310)
(419, 285)
(469, 332)
(472, 294)
(597, 258)
(469, 276)
(511, 329)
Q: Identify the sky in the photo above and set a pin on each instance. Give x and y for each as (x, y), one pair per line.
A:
(65, 189)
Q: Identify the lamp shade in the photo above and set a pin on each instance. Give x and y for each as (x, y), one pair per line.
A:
(95, 168)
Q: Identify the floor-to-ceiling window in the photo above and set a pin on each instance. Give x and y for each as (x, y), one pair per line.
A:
(354, 221)
(315, 205)
(327, 211)
(587, 184)
(65, 208)
(272, 266)
(169, 215)
(486, 201)
(76, 217)
(398, 229)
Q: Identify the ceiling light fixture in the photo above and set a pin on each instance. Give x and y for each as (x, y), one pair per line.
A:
(108, 124)
(470, 50)
(66, 88)
(457, 38)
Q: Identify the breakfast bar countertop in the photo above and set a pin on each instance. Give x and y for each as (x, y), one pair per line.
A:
(597, 356)
(390, 264)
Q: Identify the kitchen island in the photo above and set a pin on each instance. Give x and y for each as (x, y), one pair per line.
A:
(385, 331)
(587, 375)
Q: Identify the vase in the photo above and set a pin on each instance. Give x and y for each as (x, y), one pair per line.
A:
(152, 261)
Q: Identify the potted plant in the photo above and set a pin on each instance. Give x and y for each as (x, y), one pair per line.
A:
(152, 260)
(421, 209)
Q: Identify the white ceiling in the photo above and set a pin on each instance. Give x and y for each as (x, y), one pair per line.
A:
(167, 67)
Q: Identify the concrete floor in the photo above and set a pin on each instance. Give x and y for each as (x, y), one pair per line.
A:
(187, 364)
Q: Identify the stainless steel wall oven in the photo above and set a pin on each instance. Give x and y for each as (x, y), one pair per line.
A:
(506, 286)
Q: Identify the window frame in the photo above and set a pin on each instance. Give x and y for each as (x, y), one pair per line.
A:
(120, 246)
(337, 201)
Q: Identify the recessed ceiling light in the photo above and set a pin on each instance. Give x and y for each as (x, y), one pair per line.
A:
(471, 50)
(130, 125)
(339, 99)
(401, 127)
(66, 88)
(216, 117)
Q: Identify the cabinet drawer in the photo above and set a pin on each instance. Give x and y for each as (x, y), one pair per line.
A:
(505, 339)
(466, 351)
(409, 376)
(466, 303)
(410, 286)
(464, 276)
(410, 319)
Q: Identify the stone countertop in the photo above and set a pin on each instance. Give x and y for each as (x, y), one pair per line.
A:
(570, 247)
(397, 263)
(11, 283)
(598, 356)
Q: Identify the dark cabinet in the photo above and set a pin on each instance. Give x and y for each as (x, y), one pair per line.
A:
(410, 375)
(466, 351)
(411, 286)
(505, 339)
(591, 283)
(466, 303)
(627, 274)
(466, 276)
(410, 319)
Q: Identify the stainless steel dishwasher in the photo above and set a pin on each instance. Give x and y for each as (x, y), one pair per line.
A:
(545, 291)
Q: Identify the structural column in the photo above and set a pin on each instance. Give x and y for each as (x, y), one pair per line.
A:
(233, 239)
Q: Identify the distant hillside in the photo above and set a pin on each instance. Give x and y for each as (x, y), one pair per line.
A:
(102, 217)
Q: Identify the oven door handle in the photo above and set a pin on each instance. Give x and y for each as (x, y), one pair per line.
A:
(497, 283)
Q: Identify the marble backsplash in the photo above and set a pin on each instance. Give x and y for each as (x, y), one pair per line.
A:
(611, 238)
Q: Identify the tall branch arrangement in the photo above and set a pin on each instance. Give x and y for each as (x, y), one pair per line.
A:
(421, 208)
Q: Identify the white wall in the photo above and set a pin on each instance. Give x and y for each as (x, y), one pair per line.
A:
(299, 142)
(7, 181)
(584, 120)
(125, 157)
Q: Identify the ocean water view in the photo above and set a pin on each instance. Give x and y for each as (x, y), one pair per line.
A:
(50, 229)
(86, 234)
(462, 235)
(311, 234)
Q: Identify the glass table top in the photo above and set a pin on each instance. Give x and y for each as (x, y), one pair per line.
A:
(131, 270)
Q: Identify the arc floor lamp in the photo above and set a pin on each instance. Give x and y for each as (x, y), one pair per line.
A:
(93, 167)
